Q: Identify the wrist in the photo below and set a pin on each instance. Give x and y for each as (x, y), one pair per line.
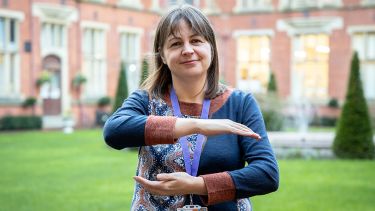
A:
(199, 187)
(195, 126)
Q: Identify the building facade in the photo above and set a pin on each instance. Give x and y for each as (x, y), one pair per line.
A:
(307, 44)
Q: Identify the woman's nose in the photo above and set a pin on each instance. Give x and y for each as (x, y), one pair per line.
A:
(187, 50)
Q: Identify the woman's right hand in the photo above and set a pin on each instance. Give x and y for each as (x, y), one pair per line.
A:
(209, 127)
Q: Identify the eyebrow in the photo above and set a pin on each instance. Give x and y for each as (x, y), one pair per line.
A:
(172, 37)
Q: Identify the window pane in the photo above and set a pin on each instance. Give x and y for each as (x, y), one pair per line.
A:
(191, 2)
(310, 76)
(172, 2)
(371, 46)
(368, 79)
(2, 34)
(12, 64)
(358, 45)
(87, 40)
(253, 62)
(2, 74)
(12, 33)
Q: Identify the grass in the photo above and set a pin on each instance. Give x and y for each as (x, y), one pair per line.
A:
(54, 171)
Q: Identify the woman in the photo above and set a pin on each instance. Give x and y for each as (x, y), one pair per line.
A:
(194, 133)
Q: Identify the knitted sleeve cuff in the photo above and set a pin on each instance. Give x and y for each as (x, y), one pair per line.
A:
(159, 130)
(220, 188)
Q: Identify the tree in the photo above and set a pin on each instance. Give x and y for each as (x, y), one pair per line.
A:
(144, 73)
(354, 133)
(122, 89)
(272, 86)
(271, 105)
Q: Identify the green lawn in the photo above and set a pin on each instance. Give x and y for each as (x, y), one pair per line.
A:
(54, 171)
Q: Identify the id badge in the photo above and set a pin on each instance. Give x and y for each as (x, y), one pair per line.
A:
(192, 208)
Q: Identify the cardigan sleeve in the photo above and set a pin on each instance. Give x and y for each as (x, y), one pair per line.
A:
(130, 125)
(261, 175)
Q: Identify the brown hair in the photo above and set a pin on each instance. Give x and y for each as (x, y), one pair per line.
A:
(160, 79)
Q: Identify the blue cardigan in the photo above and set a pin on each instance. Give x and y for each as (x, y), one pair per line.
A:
(221, 153)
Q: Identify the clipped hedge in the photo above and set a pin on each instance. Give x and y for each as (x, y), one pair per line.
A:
(20, 123)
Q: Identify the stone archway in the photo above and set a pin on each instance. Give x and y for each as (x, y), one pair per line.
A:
(52, 91)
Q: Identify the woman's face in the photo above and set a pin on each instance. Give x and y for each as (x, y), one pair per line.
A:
(188, 55)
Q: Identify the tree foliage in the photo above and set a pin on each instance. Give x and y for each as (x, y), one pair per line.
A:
(122, 89)
(272, 85)
(145, 71)
(354, 133)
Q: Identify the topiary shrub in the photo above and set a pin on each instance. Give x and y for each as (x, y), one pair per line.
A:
(333, 103)
(354, 137)
(145, 71)
(122, 89)
(104, 101)
(272, 85)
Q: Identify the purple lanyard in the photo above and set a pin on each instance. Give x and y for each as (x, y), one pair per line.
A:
(191, 166)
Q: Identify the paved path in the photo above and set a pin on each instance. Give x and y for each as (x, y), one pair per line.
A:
(302, 140)
(308, 145)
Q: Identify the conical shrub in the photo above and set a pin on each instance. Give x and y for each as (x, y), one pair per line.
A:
(272, 86)
(144, 73)
(122, 89)
(354, 133)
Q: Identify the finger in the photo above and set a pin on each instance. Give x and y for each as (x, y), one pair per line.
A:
(255, 136)
(248, 133)
(153, 187)
(141, 180)
(165, 177)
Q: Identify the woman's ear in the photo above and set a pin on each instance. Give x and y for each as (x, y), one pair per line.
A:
(162, 58)
(161, 55)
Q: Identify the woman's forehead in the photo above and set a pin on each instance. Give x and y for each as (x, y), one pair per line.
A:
(182, 27)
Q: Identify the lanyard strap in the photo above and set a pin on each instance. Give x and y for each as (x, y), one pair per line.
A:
(190, 165)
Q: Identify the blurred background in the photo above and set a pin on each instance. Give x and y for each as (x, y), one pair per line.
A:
(66, 65)
(66, 55)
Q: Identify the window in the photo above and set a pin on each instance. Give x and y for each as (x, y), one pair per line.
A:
(94, 62)
(310, 66)
(364, 44)
(52, 35)
(136, 4)
(178, 2)
(130, 56)
(253, 63)
(306, 4)
(253, 5)
(368, 2)
(9, 57)
(95, 1)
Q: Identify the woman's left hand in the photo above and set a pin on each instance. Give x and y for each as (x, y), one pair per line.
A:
(177, 183)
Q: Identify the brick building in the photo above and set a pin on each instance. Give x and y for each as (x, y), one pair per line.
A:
(307, 44)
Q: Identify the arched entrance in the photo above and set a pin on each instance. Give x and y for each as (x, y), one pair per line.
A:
(52, 91)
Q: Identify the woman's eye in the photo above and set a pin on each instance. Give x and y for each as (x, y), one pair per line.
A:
(175, 44)
(196, 41)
